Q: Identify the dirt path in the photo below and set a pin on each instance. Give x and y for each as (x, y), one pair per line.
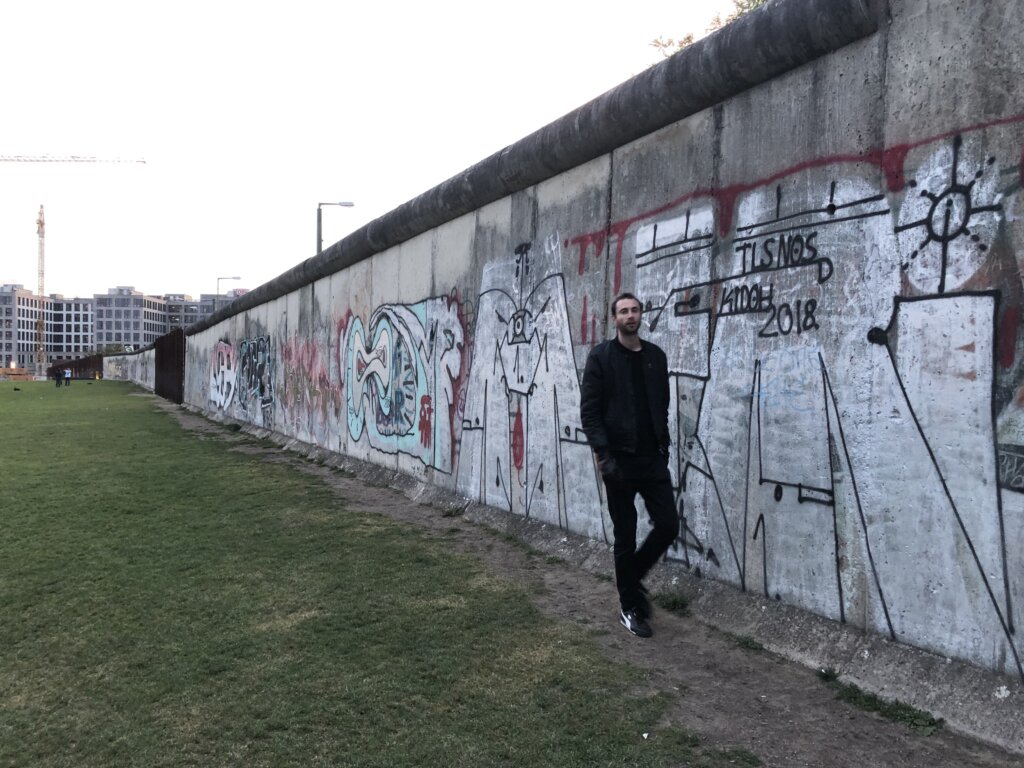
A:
(731, 696)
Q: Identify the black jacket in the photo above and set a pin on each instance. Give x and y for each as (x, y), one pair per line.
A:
(607, 403)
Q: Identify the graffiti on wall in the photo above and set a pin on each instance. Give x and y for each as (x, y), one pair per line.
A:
(241, 382)
(308, 399)
(847, 374)
(523, 448)
(402, 375)
(223, 372)
(255, 381)
(838, 349)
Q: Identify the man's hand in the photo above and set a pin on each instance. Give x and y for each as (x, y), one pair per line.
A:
(610, 470)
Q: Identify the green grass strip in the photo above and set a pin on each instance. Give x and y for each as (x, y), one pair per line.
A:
(896, 711)
(165, 601)
(913, 718)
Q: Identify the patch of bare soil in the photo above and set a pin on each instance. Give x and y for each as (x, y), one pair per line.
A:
(727, 695)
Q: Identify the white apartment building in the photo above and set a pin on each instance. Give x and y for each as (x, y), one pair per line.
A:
(183, 310)
(73, 328)
(10, 328)
(67, 327)
(128, 318)
(71, 334)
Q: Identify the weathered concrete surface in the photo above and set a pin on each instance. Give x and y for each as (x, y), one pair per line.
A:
(139, 367)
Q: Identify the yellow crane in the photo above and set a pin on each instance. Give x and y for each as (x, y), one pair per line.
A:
(41, 231)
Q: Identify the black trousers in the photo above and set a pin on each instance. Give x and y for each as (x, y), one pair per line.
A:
(654, 485)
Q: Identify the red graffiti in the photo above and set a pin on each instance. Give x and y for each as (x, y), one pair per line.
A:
(619, 233)
(518, 440)
(343, 322)
(725, 200)
(307, 395)
(890, 160)
(893, 162)
(596, 239)
(426, 428)
(1008, 337)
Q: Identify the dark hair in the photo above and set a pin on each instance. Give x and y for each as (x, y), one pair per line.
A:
(624, 295)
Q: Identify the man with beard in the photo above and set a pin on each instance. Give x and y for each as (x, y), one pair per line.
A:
(624, 400)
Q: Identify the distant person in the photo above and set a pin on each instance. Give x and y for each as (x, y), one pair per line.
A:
(624, 399)
(58, 374)
(67, 377)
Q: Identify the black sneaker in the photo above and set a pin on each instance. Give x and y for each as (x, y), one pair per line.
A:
(635, 623)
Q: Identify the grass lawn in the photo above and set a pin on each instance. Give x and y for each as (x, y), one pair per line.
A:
(167, 602)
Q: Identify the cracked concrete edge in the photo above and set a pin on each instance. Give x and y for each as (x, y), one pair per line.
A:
(972, 701)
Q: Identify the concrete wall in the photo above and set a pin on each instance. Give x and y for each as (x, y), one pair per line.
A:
(137, 367)
(831, 261)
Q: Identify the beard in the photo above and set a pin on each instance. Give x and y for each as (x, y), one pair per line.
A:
(628, 328)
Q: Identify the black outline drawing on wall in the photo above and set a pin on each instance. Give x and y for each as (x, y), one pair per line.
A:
(950, 212)
(882, 337)
(747, 283)
(522, 445)
(223, 374)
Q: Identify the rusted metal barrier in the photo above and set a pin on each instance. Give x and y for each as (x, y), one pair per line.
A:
(89, 367)
(169, 379)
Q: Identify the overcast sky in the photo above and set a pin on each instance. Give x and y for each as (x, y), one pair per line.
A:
(249, 114)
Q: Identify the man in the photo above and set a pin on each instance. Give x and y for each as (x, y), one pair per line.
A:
(624, 401)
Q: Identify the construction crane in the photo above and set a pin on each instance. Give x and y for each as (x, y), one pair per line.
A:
(41, 231)
(40, 329)
(65, 159)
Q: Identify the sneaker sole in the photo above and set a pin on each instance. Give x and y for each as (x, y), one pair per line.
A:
(634, 632)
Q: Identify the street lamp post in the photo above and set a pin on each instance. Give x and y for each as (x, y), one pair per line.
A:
(319, 223)
(217, 296)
